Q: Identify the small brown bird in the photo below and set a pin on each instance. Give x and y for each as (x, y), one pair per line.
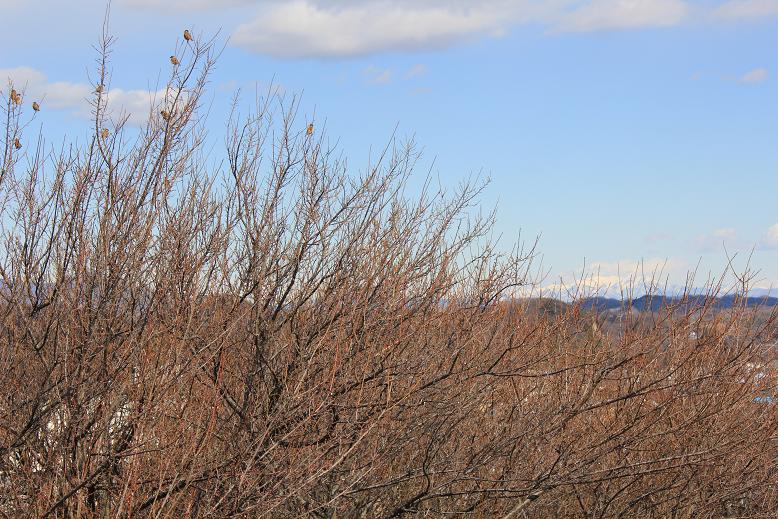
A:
(309, 130)
(104, 133)
(174, 60)
(165, 115)
(17, 143)
(15, 97)
(188, 35)
(36, 106)
(99, 89)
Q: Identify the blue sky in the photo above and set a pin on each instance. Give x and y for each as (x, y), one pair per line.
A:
(620, 131)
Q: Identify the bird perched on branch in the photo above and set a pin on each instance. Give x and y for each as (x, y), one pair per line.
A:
(309, 130)
(36, 106)
(15, 97)
(165, 114)
(174, 60)
(188, 35)
(99, 89)
(104, 133)
(17, 143)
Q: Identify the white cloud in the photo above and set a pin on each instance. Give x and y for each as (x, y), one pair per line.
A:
(303, 28)
(186, 5)
(770, 239)
(627, 276)
(627, 270)
(58, 95)
(623, 14)
(348, 28)
(746, 9)
(754, 76)
(337, 28)
(74, 97)
(22, 78)
(135, 103)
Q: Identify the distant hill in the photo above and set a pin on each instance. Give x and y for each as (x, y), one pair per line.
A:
(544, 305)
(654, 303)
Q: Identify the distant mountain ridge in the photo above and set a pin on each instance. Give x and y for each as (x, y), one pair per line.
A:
(656, 302)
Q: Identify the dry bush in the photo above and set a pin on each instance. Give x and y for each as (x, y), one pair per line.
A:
(279, 336)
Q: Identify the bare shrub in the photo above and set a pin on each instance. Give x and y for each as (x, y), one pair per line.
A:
(277, 335)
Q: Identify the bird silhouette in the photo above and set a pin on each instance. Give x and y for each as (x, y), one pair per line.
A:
(105, 133)
(17, 143)
(188, 35)
(36, 106)
(309, 130)
(174, 60)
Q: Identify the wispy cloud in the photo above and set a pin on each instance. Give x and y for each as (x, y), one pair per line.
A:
(754, 76)
(415, 71)
(746, 9)
(378, 76)
(623, 14)
(717, 240)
